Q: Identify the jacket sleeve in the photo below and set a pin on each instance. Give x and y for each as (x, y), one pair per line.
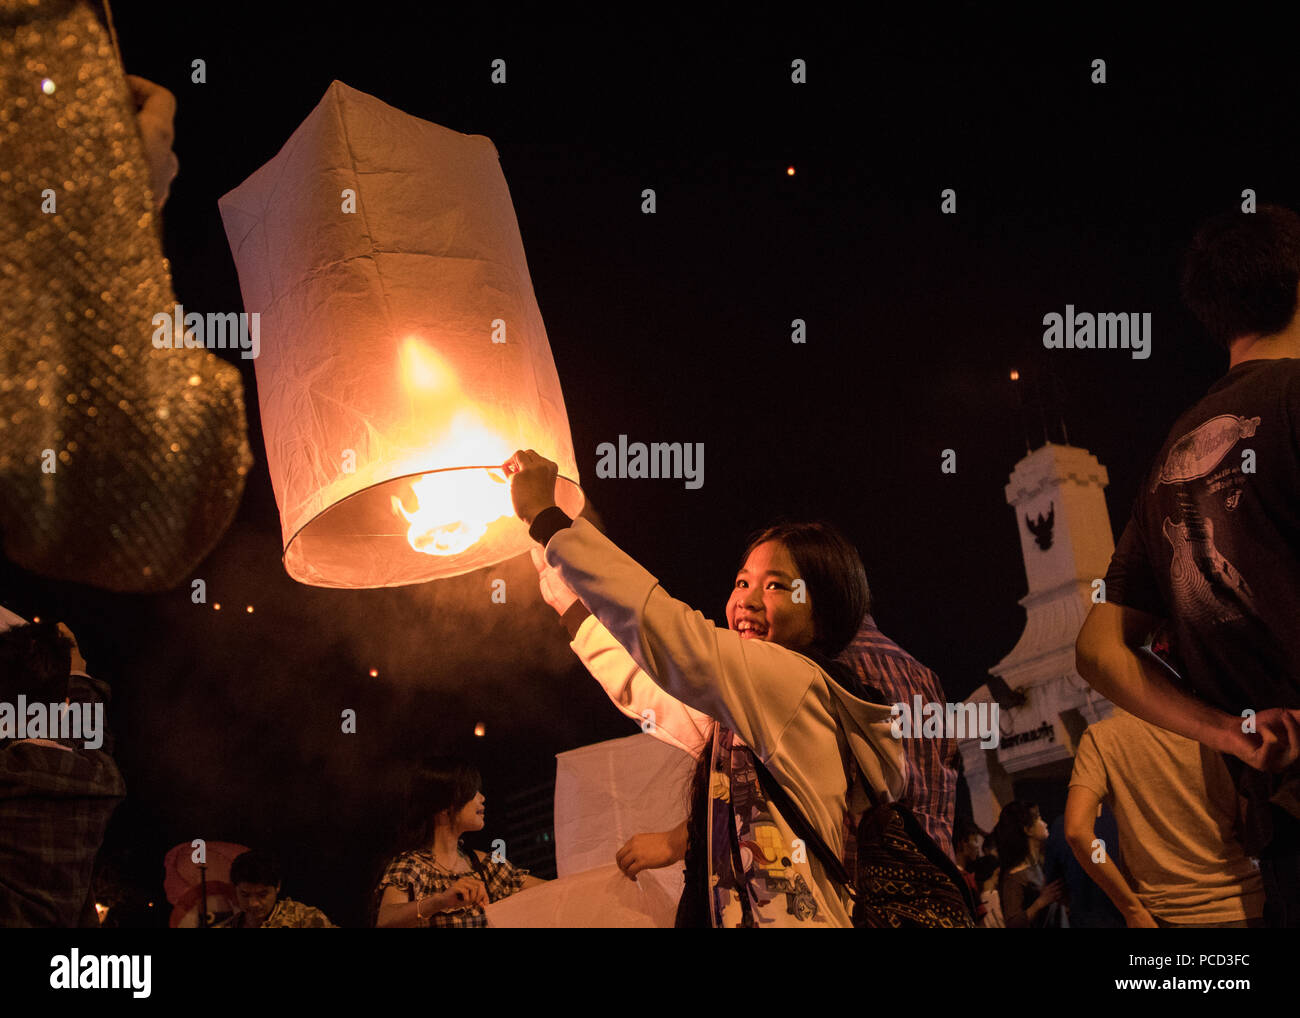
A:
(635, 694)
(753, 687)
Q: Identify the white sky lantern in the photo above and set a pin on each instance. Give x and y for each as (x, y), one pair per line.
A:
(403, 356)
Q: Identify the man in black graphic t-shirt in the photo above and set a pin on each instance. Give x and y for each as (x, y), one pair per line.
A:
(1213, 547)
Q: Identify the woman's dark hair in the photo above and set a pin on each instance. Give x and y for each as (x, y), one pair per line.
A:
(1012, 841)
(35, 659)
(1241, 272)
(832, 571)
(255, 868)
(443, 783)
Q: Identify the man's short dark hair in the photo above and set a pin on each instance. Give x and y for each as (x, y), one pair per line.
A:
(1241, 273)
(965, 829)
(35, 660)
(255, 868)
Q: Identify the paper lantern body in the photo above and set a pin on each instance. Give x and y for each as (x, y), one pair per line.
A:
(401, 347)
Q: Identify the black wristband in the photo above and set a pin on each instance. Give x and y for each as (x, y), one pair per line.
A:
(548, 523)
(573, 619)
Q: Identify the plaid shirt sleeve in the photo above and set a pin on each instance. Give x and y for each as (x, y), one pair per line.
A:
(290, 914)
(402, 873)
(504, 878)
(54, 807)
(931, 790)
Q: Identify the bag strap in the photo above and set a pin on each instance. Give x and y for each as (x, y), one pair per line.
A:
(481, 870)
(847, 679)
(742, 878)
(842, 675)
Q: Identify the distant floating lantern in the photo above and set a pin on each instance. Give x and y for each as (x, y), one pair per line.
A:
(403, 356)
(789, 171)
(1015, 375)
(374, 673)
(480, 729)
(249, 609)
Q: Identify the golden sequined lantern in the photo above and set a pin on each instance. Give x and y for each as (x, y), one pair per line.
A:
(403, 357)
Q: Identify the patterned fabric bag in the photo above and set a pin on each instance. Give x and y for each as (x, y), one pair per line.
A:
(903, 879)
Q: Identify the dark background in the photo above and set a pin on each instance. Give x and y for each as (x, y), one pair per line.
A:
(676, 327)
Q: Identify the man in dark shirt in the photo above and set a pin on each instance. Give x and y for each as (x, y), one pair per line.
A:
(1213, 546)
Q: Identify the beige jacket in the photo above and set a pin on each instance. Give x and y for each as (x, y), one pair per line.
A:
(653, 653)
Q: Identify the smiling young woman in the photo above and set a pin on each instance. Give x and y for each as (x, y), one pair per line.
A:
(757, 692)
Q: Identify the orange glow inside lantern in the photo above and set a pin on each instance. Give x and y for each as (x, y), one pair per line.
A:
(453, 508)
(403, 356)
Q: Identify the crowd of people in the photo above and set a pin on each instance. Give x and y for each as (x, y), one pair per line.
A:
(786, 711)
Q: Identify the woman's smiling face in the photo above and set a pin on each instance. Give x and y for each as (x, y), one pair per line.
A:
(763, 603)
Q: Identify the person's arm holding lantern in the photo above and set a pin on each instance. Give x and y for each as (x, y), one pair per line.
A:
(762, 691)
(635, 694)
(632, 691)
(755, 691)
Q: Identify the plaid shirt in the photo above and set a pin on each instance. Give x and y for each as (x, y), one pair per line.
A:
(54, 808)
(415, 873)
(287, 915)
(931, 790)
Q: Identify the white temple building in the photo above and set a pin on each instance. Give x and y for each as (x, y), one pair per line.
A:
(1057, 493)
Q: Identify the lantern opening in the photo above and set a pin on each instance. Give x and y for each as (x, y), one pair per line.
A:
(453, 509)
(417, 527)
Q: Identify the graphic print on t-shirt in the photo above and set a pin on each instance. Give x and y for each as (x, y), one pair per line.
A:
(1204, 585)
(1199, 451)
(767, 869)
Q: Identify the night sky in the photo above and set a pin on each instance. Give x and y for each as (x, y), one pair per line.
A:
(675, 327)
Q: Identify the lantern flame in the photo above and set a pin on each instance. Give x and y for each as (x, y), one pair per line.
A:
(453, 507)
